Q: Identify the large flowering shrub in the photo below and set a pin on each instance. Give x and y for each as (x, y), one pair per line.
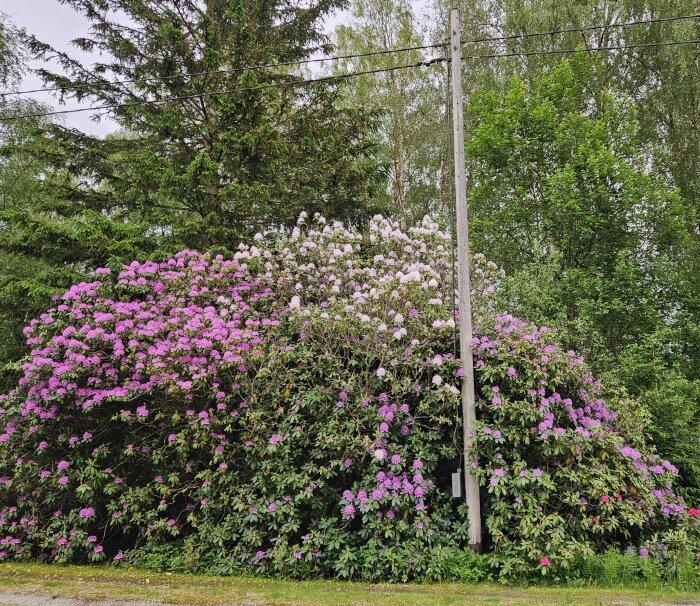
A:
(295, 410)
(565, 475)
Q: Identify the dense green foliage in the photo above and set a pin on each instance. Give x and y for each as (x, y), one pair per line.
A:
(662, 81)
(28, 278)
(202, 162)
(564, 201)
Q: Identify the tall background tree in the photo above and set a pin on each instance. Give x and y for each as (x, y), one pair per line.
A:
(663, 81)
(202, 162)
(411, 102)
(11, 55)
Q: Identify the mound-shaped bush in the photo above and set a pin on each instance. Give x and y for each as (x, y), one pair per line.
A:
(295, 410)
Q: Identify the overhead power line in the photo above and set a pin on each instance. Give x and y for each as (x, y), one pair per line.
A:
(568, 51)
(288, 84)
(232, 70)
(103, 84)
(294, 83)
(576, 30)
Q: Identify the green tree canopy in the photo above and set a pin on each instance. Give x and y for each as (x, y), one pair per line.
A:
(565, 198)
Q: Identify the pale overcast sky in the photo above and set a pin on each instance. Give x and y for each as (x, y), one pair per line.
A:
(57, 24)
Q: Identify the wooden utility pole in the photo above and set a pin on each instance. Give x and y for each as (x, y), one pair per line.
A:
(471, 483)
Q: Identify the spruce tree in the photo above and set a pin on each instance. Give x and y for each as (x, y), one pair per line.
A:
(198, 161)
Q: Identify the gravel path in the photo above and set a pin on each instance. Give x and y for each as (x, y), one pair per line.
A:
(8, 598)
(32, 599)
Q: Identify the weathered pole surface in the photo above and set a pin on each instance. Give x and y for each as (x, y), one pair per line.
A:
(471, 483)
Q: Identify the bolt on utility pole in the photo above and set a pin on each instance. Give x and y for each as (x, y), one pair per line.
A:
(471, 483)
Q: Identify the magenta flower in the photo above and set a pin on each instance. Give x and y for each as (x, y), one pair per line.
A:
(87, 512)
(545, 561)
